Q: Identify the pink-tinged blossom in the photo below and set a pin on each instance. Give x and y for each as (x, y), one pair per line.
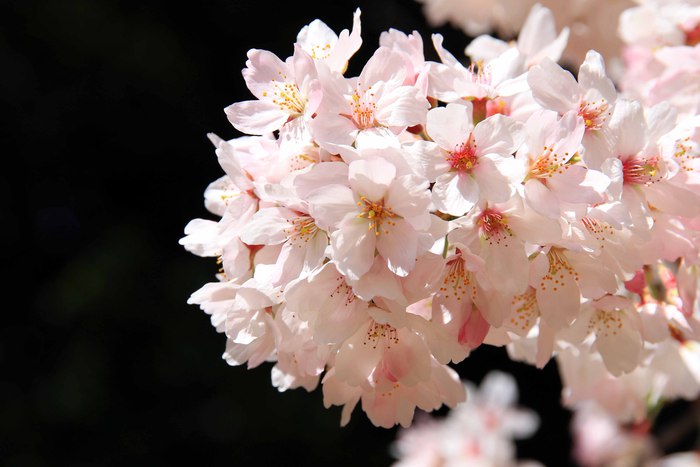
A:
(536, 342)
(450, 81)
(556, 287)
(232, 198)
(376, 210)
(328, 304)
(383, 342)
(561, 277)
(288, 93)
(370, 110)
(250, 326)
(643, 173)
(410, 46)
(604, 232)
(553, 181)
(614, 325)
(500, 233)
(303, 243)
(323, 45)
(363, 235)
(592, 97)
(467, 162)
(300, 360)
(454, 323)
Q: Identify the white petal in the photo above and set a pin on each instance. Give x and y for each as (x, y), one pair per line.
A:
(371, 178)
(398, 244)
(408, 196)
(455, 194)
(357, 357)
(408, 360)
(591, 75)
(256, 117)
(449, 126)
(620, 345)
(400, 107)
(541, 199)
(496, 176)
(330, 204)
(559, 301)
(352, 248)
(426, 159)
(498, 134)
(553, 87)
(267, 227)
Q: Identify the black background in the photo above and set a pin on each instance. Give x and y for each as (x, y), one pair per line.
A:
(105, 110)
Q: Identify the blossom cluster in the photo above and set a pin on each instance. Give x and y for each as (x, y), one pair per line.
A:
(374, 229)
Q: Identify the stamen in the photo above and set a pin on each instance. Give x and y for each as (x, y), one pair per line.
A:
(302, 230)
(378, 331)
(605, 323)
(641, 170)
(287, 97)
(547, 164)
(377, 214)
(594, 113)
(458, 280)
(463, 158)
(527, 311)
(363, 108)
(493, 227)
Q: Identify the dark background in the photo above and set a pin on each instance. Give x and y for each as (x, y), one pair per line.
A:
(105, 110)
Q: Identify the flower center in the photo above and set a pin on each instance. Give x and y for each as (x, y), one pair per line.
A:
(600, 230)
(463, 159)
(363, 108)
(343, 289)
(641, 170)
(287, 97)
(594, 113)
(493, 227)
(379, 331)
(605, 323)
(457, 280)
(558, 268)
(685, 152)
(302, 230)
(547, 164)
(377, 214)
(321, 51)
(526, 310)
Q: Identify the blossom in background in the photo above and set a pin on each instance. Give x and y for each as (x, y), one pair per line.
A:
(478, 432)
(591, 24)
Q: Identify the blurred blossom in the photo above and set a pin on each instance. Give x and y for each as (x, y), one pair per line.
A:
(477, 432)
